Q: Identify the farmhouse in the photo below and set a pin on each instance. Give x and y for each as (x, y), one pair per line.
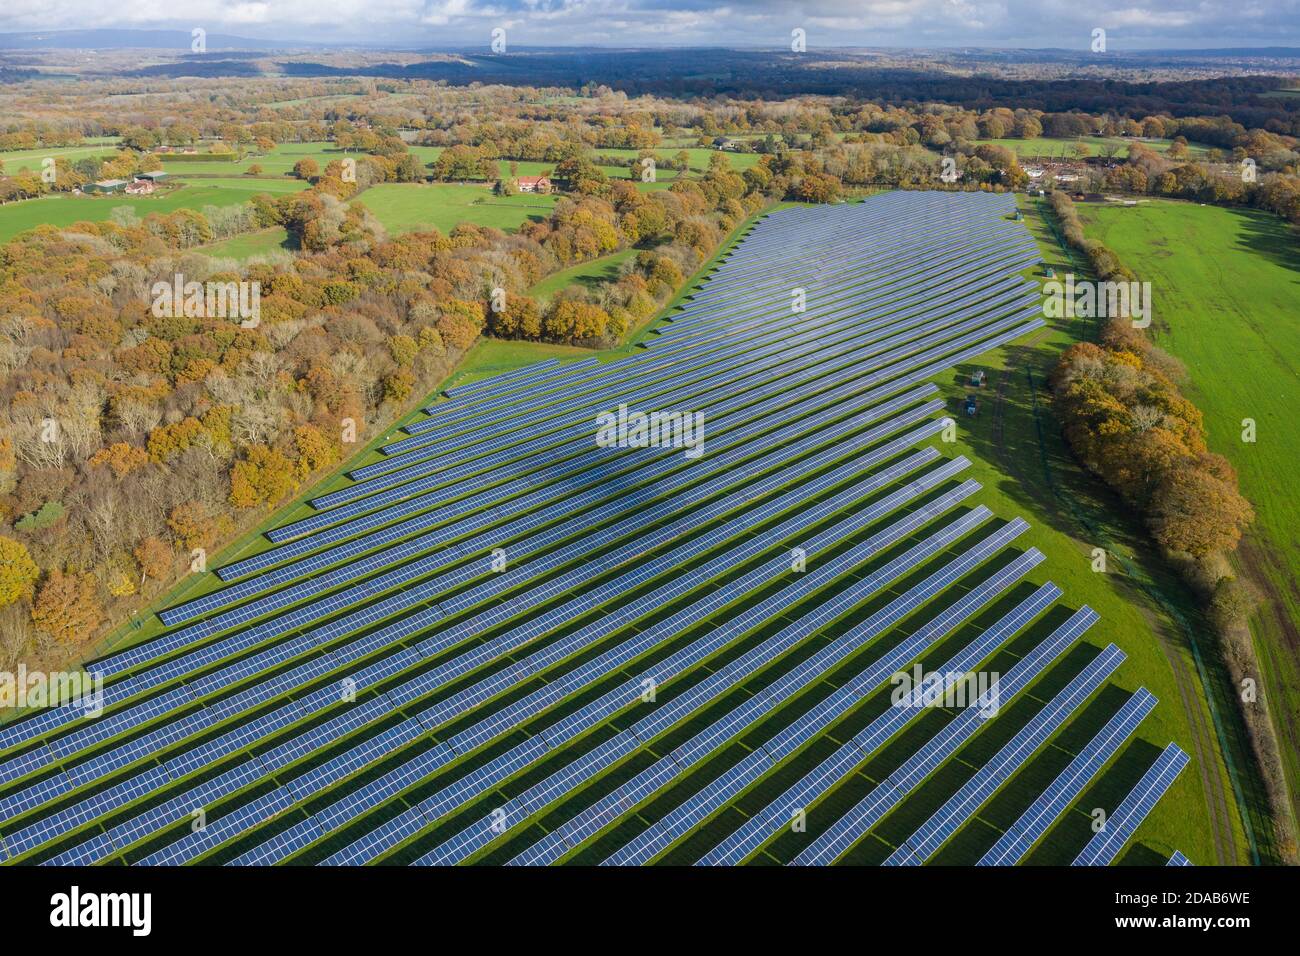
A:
(722, 142)
(141, 187)
(534, 184)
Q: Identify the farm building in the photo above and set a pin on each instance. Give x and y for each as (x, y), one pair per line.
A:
(105, 186)
(155, 176)
(141, 187)
(534, 184)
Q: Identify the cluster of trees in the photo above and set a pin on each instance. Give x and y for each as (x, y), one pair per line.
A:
(674, 229)
(132, 439)
(1274, 185)
(1126, 419)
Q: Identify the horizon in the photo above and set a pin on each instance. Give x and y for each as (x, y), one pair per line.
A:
(1163, 26)
(465, 47)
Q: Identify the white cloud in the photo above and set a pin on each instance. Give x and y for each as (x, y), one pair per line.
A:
(1056, 23)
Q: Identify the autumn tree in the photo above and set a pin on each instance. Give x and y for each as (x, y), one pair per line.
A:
(67, 607)
(154, 558)
(18, 572)
(265, 476)
(1197, 513)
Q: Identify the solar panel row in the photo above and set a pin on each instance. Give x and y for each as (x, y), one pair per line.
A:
(963, 804)
(1120, 825)
(1029, 828)
(838, 838)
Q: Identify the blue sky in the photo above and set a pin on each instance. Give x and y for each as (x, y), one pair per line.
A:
(1130, 24)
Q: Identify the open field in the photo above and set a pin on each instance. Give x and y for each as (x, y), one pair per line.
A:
(1044, 146)
(256, 183)
(1226, 288)
(15, 161)
(699, 157)
(64, 210)
(258, 243)
(279, 161)
(407, 207)
(588, 274)
(691, 573)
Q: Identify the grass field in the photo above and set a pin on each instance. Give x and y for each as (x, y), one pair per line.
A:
(17, 160)
(255, 183)
(588, 274)
(279, 161)
(64, 210)
(262, 242)
(1046, 146)
(1024, 470)
(1226, 291)
(699, 157)
(408, 207)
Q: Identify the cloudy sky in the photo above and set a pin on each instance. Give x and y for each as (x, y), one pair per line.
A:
(1130, 24)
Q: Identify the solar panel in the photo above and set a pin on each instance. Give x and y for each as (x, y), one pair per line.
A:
(962, 805)
(1120, 825)
(838, 838)
(366, 591)
(1042, 813)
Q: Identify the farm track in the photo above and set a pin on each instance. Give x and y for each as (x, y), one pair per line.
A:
(1256, 565)
(1225, 843)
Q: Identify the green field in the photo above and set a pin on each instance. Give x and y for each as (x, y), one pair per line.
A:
(278, 161)
(1226, 292)
(15, 161)
(1044, 146)
(587, 274)
(64, 210)
(258, 184)
(409, 207)
(260, 243)
(699, 157)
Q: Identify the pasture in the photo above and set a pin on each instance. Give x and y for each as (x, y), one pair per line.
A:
(64, 210)
(409, 207)
(1226, 292)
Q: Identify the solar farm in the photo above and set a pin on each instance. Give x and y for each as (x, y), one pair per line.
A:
(504, 643)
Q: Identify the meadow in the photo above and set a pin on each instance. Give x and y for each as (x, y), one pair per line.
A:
(1046, 146)
(16, 161)
(245, 247)
(64, 210)
(586, 274)
(408, 207)
(1226, 291)
(279, 161)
